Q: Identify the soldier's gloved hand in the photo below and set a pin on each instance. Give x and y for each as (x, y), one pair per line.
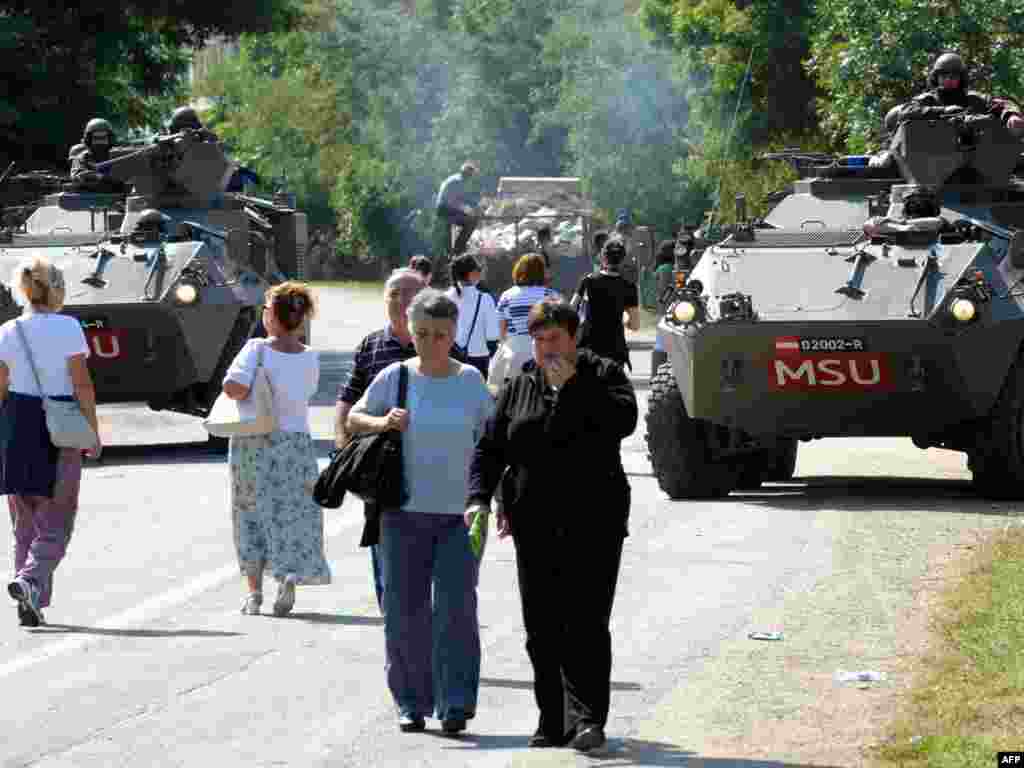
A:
(881, 160)
(1015, 125)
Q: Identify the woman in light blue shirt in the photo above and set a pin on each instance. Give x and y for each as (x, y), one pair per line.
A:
(431, 630)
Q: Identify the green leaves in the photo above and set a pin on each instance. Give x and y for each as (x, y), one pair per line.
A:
(869, 57)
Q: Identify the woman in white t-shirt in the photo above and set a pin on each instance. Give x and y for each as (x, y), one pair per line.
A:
(40, 480)
(477, 330)
(529, 275)
(277, 525)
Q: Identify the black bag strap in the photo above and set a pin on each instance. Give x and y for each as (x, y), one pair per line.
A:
(403, 384)
(472, 325)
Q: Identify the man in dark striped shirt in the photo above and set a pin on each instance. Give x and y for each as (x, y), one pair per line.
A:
(376, 352)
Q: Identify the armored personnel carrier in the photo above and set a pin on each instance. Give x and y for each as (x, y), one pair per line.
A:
(166, 277)
(868, 302)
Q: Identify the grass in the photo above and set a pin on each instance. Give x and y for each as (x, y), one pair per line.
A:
(968, 701)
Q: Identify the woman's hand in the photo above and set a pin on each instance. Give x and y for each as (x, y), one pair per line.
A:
(95, 451)
(501, 525)
(559, 370)
(397, 419)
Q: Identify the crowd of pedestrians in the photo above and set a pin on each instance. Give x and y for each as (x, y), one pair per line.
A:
(517, 410)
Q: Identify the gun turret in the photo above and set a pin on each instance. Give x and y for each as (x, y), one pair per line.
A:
(183, 168)
(960, 148)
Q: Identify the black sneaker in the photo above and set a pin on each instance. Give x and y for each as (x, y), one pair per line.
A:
(411, 723)
(28, 602)
(25, 617)
(589, 739)
(453, 725)
(541, 740)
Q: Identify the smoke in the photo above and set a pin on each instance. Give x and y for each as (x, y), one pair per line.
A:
(571, 87)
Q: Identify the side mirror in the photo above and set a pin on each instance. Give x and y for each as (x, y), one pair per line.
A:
(1015, 249)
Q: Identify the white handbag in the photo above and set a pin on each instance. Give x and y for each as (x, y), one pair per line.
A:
(65, 421)
(226, 418)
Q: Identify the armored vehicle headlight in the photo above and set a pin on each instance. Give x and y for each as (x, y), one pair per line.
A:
(963, 310)
(684, 312)
(186, 293)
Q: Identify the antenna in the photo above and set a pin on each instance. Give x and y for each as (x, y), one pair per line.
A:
(728, 141)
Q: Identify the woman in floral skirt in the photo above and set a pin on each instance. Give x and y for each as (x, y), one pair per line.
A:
(278, 527)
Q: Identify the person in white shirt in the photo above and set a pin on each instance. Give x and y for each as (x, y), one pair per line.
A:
(529, 275)
(277, 525)
(41, 481)
(478, 329)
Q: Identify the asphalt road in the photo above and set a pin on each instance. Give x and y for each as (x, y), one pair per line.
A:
(146, 660)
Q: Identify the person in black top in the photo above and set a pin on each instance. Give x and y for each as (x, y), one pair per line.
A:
(553, 443)
(608, 296)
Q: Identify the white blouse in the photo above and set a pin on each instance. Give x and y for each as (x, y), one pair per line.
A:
(294, 378)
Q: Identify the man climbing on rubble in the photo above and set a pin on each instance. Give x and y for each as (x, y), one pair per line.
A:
(455, 208)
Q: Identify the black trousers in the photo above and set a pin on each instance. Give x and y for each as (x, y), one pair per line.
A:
(567, 585)
(467, 223)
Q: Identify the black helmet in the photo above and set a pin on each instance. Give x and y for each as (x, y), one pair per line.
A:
(182, 118)
(95, 125)
(948, 62)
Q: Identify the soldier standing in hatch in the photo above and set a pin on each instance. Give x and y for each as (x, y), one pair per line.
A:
(948, 79)
(186, 118)
(453, 206)
(96, 146)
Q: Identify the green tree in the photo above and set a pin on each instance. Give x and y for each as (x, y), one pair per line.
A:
(64, 62)
(626, 117)
(868, 57)
(716, 39)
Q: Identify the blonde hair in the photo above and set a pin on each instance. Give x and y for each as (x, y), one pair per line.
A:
(293, 302)
(529, 270)
(41, 282)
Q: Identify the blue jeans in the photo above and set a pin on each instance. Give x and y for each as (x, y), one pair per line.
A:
(432, 641)
(378, 576)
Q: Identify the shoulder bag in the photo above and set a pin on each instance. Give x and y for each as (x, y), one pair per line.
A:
(226, 419)
(369, 465)
(459, 352)
(583, 309)
(65, 421)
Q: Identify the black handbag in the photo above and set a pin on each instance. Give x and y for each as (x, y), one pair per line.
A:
(459, 352)
(369, 466)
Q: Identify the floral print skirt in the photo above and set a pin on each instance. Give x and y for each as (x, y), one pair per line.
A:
(277, 525)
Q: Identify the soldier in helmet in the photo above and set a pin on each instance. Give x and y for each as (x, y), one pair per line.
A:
(96, 147)
(949, 95)
(186, 119)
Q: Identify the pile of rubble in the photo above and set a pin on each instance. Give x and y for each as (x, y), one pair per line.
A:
(505, 220)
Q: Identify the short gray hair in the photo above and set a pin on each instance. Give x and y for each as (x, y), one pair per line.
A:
(434, 305)
(403, 275)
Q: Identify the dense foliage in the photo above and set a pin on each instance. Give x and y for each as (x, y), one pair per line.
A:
(362, 107)
(64, 62)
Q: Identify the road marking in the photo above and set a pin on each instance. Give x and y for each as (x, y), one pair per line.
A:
(151, 608)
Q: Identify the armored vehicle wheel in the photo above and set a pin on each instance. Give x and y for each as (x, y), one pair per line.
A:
(218, 445)
(775, 465)
(997, 460)
(677, 448)
(784, 466)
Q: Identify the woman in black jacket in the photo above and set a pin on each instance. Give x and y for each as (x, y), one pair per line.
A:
(563, 417)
